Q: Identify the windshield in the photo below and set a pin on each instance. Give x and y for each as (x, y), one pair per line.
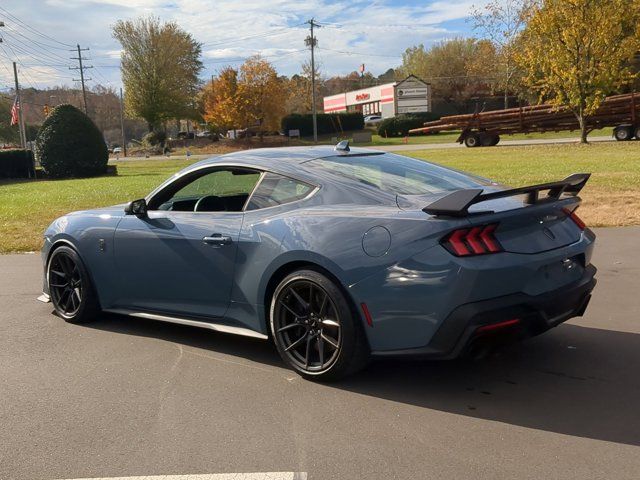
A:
(399, 175)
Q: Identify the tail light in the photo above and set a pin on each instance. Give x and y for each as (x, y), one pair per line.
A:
(478, 240)
(576, 219)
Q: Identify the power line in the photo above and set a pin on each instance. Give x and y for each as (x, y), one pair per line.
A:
(32, 29)
(360, 53)
(278, 31)
(27, 76)
(39, 58)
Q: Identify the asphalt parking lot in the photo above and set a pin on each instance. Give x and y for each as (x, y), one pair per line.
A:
(130, 397)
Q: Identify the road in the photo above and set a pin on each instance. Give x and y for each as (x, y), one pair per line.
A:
(394, 148)
(130, 397)
(503, 143)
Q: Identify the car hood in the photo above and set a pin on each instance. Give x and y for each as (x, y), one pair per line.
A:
(112, 211)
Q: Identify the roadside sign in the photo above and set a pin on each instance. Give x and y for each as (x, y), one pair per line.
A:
(294, 133)
(413, 96)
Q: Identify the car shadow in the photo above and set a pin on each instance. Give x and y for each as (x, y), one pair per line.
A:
(239, 346)
(573, 380)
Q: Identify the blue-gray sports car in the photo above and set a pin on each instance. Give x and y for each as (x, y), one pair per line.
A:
(333, 254)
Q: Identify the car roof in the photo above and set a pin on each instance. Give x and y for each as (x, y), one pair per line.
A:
(286, 160)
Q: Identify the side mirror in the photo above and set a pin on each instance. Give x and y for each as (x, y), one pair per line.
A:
(136, 207)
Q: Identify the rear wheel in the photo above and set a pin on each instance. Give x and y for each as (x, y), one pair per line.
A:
(622, 133)
(70, 288)
(472, 140)
(314, 329)
(638, 132)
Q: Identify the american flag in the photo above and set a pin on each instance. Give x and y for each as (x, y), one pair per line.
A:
(15, 109)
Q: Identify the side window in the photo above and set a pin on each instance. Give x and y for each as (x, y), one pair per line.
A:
(276, 190)
(220, 190)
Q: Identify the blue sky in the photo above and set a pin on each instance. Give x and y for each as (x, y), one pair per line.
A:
(39, 33)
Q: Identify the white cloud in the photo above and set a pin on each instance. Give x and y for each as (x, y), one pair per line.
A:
(375, 33)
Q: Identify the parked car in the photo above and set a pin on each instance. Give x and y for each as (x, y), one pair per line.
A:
(335, 255)
(117, 150)
(186, 135)
(372, 120)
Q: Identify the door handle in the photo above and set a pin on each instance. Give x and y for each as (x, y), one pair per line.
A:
(217, 239)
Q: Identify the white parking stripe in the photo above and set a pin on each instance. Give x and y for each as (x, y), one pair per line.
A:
(214, 476)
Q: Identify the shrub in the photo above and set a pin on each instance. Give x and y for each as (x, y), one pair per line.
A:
(16, 163)
(400, 125)
(70, 145)
(327, 122)
(154, 139)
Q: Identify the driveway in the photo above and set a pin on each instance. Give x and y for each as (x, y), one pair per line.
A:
(124, 397)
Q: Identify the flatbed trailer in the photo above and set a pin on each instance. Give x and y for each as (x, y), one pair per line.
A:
(484, 128)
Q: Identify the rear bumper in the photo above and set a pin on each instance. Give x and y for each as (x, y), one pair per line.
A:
(463, 329)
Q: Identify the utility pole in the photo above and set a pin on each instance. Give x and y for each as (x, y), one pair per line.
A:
(124, 139)
(312, 41)
(23, 136)
(82, 69)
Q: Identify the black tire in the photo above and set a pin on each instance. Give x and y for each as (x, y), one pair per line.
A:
(314, 329)
(70, 287)
(495, 140)
(472, 140)
(638, 132)
(488, 139)
(622, 133)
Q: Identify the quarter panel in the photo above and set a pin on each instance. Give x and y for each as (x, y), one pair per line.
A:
(331, 237)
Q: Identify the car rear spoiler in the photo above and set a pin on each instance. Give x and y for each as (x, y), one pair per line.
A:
(457, 203)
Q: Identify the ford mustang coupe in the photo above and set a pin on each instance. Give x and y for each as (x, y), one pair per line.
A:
(333, 254)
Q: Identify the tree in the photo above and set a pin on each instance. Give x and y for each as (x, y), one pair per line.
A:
(254, 96)
(220, 100)
(261, 95)
(70, 145)
(160, 64)
(575, 52)
(501, 22)
(458, 69)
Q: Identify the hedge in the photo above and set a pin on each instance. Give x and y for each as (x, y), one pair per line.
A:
(327, 123)
(399, 126)
(70, 145)
(16, 163)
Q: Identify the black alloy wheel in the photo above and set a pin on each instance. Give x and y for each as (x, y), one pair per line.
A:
(308, 326)
(70, 288)
(314, 329)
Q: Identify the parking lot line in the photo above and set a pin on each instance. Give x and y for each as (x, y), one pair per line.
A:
(213, 476)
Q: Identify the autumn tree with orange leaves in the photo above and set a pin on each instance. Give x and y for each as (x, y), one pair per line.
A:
(253, 96)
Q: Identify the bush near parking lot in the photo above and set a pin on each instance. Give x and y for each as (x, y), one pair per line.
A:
(399, 126)
(70, 145)
(327, 123)
(16, 163)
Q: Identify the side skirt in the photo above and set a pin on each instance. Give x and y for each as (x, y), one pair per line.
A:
(193, 323)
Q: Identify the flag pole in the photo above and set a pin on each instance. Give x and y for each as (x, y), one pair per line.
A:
(23, 139)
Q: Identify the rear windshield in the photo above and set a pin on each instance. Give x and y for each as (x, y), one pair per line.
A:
(399, 175)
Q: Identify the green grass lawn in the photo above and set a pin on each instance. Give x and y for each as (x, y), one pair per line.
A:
(612, 196)
(28, 207)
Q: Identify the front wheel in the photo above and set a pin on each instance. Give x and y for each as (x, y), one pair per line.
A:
(314, 329)
(70, 287)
